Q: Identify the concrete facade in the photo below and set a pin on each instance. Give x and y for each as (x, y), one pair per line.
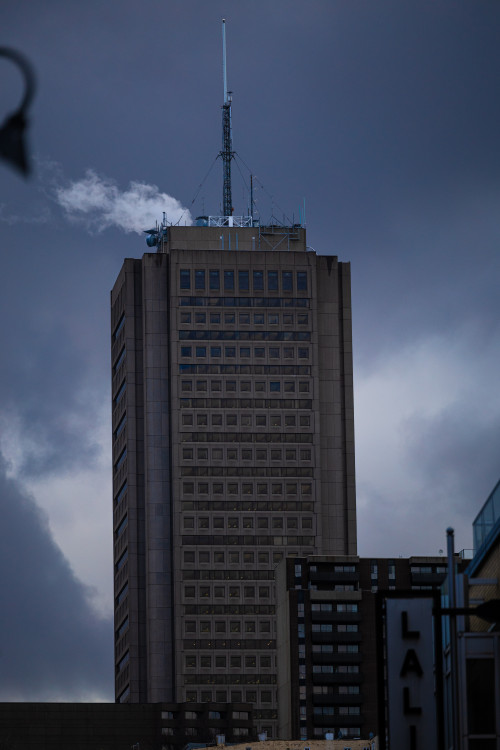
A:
(233, 446)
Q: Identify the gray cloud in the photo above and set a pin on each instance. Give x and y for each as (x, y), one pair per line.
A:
(53, 645)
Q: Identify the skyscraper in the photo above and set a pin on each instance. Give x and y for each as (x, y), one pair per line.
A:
(233, 446)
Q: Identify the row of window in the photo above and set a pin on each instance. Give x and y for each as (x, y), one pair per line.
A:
(209, 335)
(337, 607)
(244, 352)
(247, 522)
(221, 592)
(235, 539)
(335, 668)
(229, 277)
(247, 454)
(200, 317)
(232, 558)
(246, 386)
(228, 644)
(230, 679)
(235, 661)
(246, 437)
(249, 505)
(248, 488)
(235, 696)
(246, 420)
(274, 302)
(338, 648)
(244, 370)
(328, 627)
(335, 690)
(340, 710)
(346, 732)
(209, 608)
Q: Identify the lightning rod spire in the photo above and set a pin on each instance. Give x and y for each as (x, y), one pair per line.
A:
(227, 145)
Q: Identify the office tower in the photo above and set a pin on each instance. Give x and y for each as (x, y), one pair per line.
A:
(233, 446)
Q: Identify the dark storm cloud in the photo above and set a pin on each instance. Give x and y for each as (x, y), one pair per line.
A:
(52, 644)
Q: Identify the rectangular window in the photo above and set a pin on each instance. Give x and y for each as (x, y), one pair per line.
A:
(302, 281)
(303, 353)
(201, 351)
(274, 386)
(186, 351)
(215, 351)
(230, 351)
(200, 317)
(287, 281)
(214, 317)
(244, 351)
(229, 318)
(258, 281)
(274, 352)
(199, 279)
(185, 278)
(244, 319)
(243, 281)
(214, 279)
(302, 319)
(258, 319)
(228, 281)
(272, 281)
(185, 317)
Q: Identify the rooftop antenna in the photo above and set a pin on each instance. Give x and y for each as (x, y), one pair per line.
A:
(227, 145)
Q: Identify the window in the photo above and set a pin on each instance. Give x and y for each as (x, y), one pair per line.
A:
(214, 279)
(302, 281)
(244, 351)
(288, 319)
(230, 351)
(215, 351)
(200, 317)
(201, 351)
(303, 386)
(290, 422)
(244, 319)
(273, 319)
(202, 420)
(305, 420)
(185, 317)
(185, 278)
(202, 454)
(303, 353)
(302, 318)
(288, 352)
(186, 351)
(243, 281)
(287, 281)
(189, 557)
(258, 319)
(220, 662)
(272, 281)
(199, 279)
(260, 420)
(274, 352)
(228, 281)
(215, 318)
(258, 281)
(217, 419)
(229, 318)
(274, 386)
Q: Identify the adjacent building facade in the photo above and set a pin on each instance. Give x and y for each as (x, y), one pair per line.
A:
(328, 648)
(233, 446)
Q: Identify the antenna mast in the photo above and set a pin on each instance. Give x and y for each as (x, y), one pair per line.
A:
(227, 145)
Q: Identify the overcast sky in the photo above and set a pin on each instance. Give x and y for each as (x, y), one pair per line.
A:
(382, 115)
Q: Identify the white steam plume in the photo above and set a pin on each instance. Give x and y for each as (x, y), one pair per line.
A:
(100, 204)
